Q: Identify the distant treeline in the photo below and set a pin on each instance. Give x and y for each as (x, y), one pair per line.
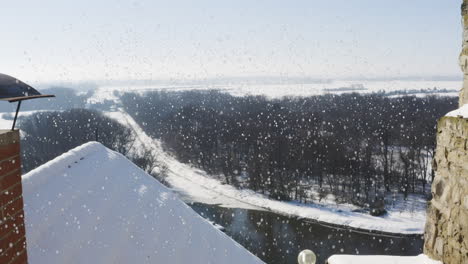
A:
(46, 135)
(353, 146)
(410, 92)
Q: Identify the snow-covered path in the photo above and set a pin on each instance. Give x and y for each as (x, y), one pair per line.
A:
(187, 181)
(195, 185)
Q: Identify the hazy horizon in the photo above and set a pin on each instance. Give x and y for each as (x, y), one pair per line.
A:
(116, 41)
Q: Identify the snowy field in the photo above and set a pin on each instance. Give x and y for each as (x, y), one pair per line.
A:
(281, 90)
(92, 205)
(195, 185)
(6, 118)
(5, 123)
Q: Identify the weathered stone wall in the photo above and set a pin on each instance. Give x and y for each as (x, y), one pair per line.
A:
(446, 235)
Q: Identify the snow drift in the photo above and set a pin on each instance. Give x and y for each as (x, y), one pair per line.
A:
(460, 112)
(92, 205)
(350, 259)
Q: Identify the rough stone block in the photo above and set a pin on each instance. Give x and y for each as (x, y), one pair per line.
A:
(447, 219)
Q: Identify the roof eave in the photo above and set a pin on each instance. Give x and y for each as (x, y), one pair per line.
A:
(22, 98)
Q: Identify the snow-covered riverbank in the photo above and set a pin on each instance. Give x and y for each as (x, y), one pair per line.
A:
(195, 185)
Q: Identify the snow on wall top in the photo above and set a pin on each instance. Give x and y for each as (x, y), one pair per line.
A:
(92, 205)
(460, 112)
(350, 259)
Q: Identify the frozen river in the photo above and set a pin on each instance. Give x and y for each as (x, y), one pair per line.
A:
(278, 239)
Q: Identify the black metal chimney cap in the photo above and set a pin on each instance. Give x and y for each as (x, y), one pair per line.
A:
(14, 90)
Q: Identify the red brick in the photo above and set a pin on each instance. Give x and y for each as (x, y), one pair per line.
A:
(12, 252)
(13, 207)
(15, 191)
(7, 224)
(6, 181)
(16, 233)
(21, 259)
(9, 150)
(10, 165)
(5, 227)
(12, 229)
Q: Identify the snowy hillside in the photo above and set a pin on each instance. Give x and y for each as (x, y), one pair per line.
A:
(92, 205)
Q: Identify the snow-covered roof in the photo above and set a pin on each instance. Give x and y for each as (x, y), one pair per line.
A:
(460, 112)
(92, 205)
(350, 259)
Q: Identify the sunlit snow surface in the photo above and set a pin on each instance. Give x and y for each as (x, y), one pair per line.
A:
(195, 185)
(460, 112)
(348, 259)
(6, 119)
(5, 123)
(92, 205)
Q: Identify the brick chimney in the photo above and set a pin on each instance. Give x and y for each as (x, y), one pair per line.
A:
(12, 228)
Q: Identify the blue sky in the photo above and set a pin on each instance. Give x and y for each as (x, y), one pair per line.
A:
(121, 40)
